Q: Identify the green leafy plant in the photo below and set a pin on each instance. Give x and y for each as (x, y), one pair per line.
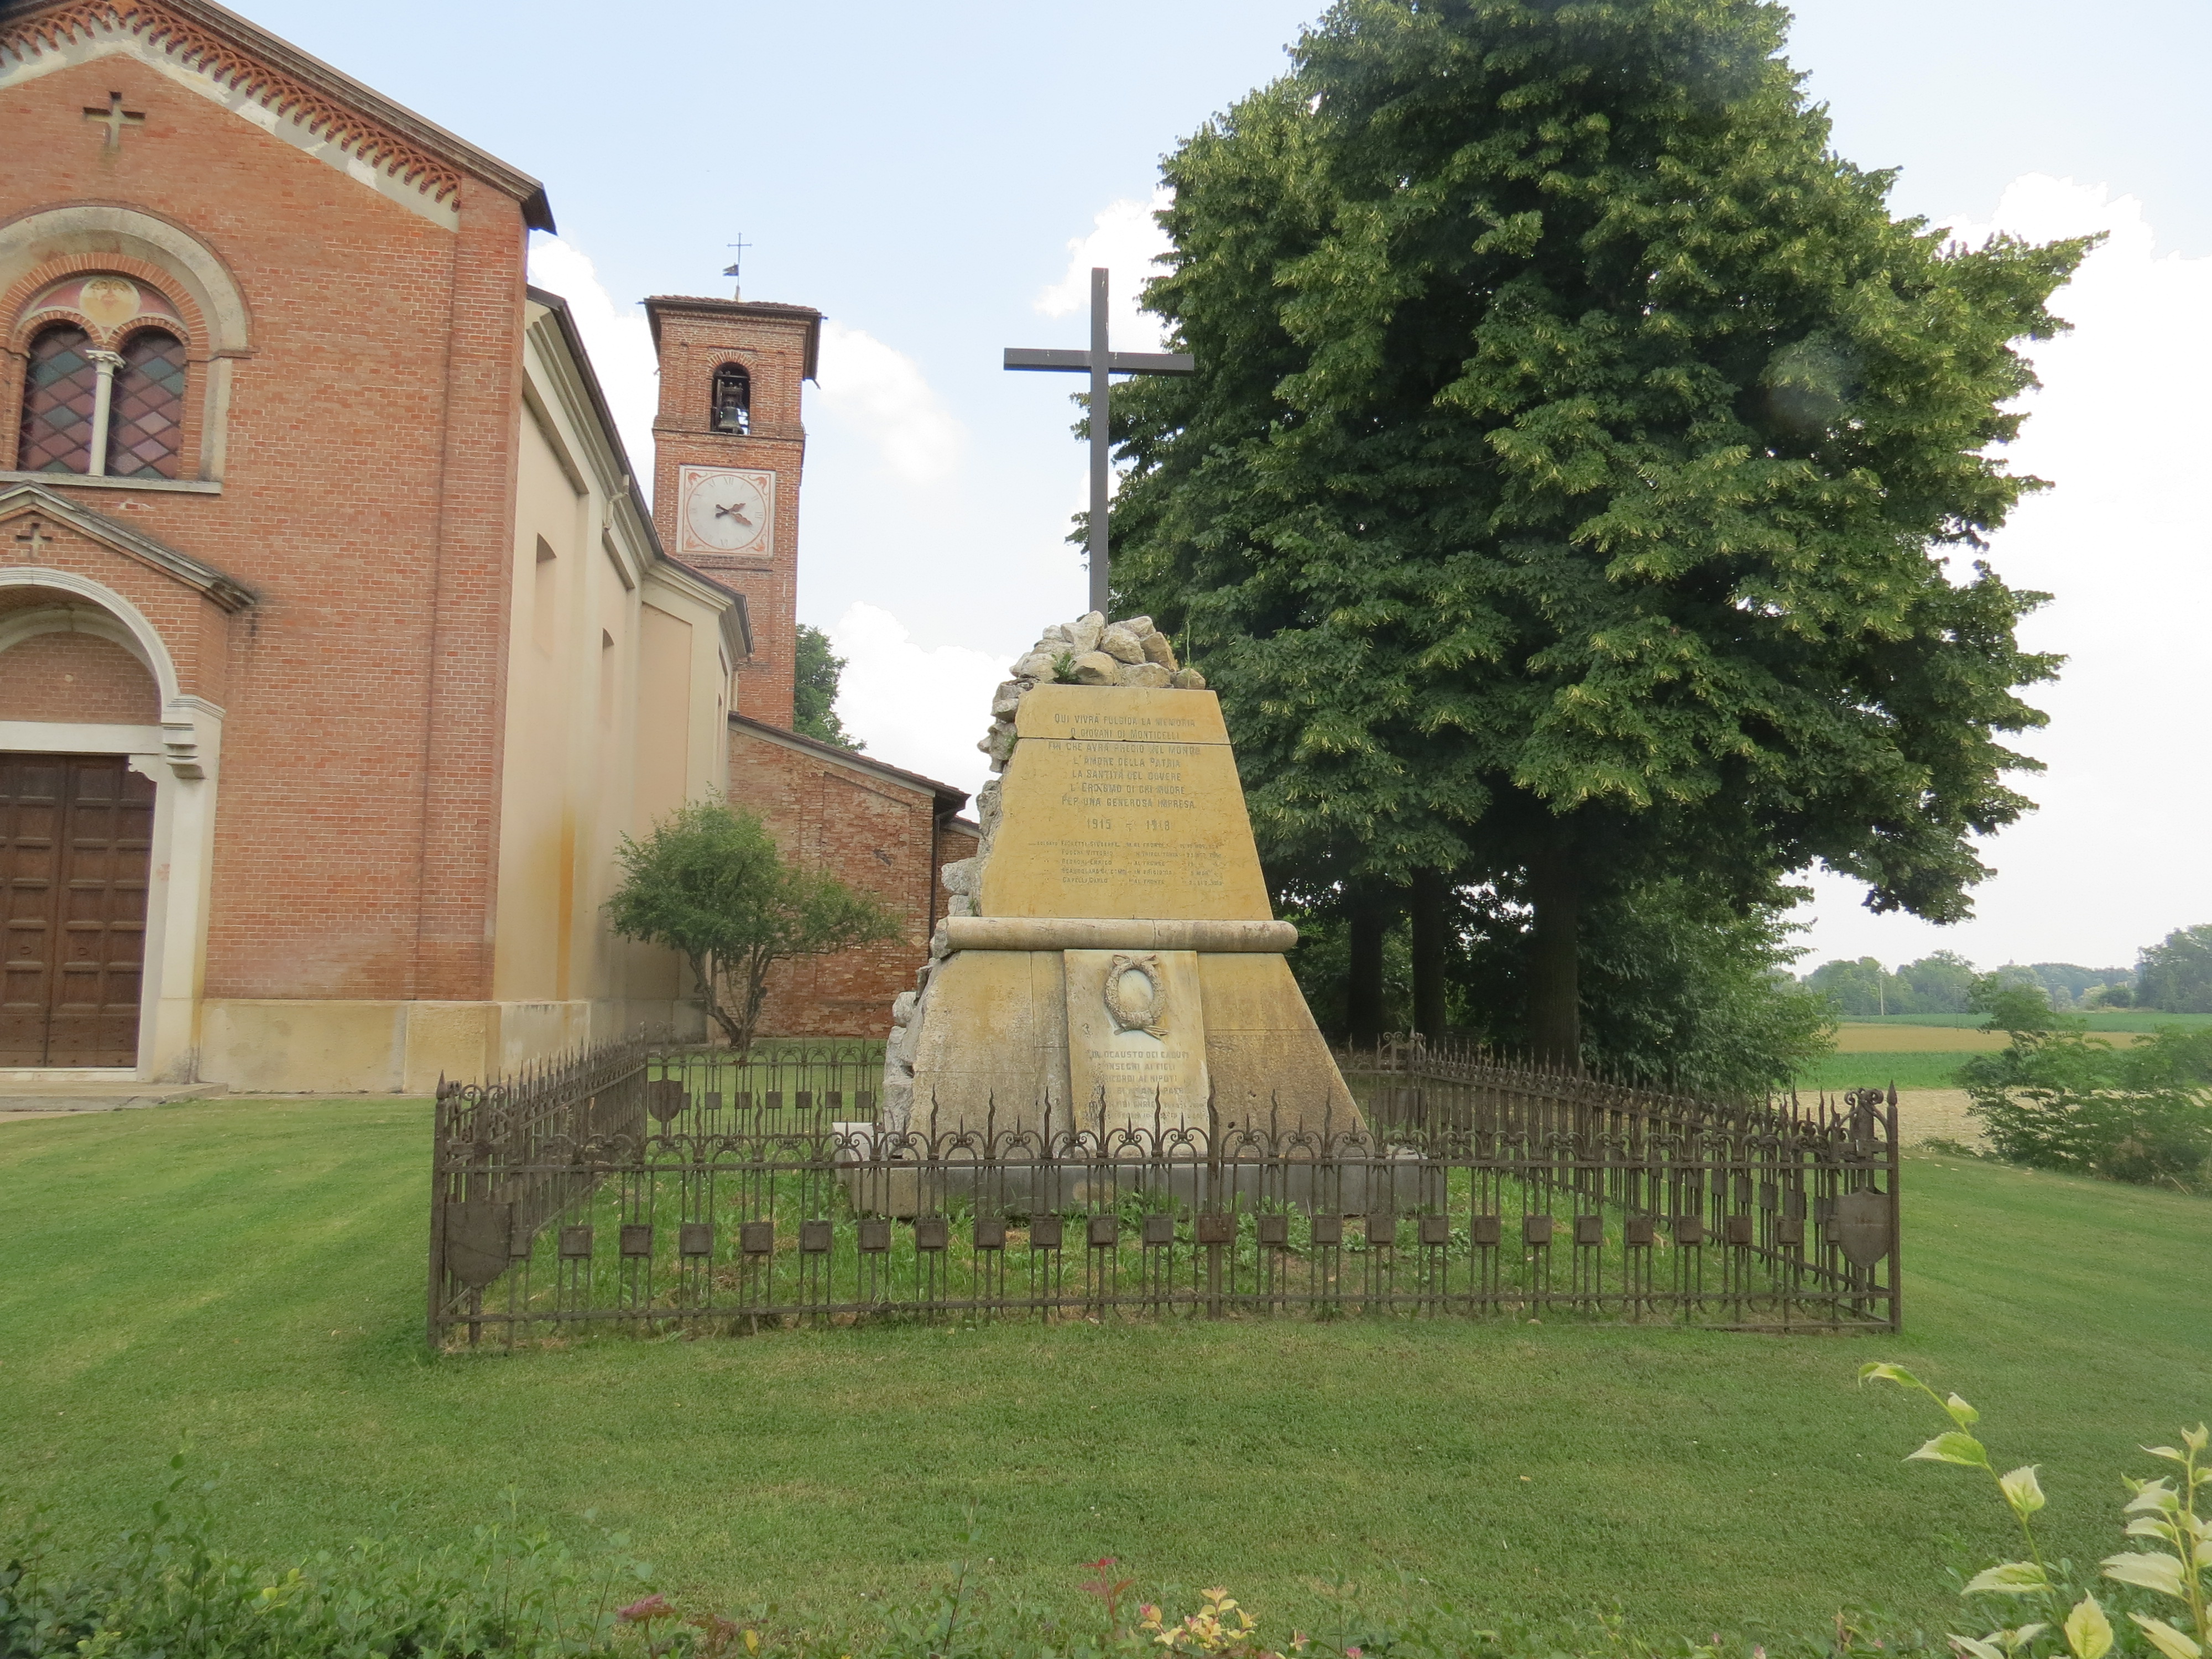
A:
(165, 1588)
(2058, 1098)
(709, 883)
(1063, 669)
(2163, 1511)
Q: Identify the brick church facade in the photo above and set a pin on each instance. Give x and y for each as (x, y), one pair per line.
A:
(338, 647)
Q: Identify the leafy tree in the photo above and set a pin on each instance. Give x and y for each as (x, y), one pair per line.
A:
(814, 691)
(1685, 990)
(2175, 974)
(1855, 988)
(1563, 500)
(709, 883)
(2013, 1003)
(1940, 983)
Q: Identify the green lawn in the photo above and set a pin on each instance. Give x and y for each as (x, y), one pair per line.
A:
(250, 1274)
(1907, 1069)
(2097, 1019)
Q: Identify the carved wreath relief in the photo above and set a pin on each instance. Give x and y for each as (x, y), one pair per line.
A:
(1137, 994)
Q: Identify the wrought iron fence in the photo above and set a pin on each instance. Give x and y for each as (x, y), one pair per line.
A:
(625, 1189)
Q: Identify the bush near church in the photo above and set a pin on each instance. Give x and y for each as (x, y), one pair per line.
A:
(709, 884)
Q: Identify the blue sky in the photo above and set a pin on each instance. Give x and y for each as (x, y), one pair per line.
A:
(929, 177)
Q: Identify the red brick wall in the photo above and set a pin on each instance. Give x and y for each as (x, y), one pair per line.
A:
(76, 676)
(874, 833)
(372, 443)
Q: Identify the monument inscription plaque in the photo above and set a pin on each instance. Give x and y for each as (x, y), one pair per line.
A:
(1136, 1038)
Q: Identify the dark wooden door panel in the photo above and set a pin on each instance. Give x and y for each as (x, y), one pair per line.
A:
(75, 846)
(30, 863)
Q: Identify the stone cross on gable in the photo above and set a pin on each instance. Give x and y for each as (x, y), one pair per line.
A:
(1099, 363)
(36, 537)
(115, 117)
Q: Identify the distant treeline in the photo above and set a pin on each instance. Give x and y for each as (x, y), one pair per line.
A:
(2173, 976)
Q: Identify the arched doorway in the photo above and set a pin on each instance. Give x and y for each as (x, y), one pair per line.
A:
(78, 798)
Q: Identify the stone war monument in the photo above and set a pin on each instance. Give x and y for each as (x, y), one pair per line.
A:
(1109, 960)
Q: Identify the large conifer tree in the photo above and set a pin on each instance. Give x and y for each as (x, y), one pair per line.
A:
(1568, 492)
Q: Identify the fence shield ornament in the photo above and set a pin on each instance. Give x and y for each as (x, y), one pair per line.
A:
(1861, 1226)
(476, 1238)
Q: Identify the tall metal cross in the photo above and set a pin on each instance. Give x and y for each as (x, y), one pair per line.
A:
(1099, 363)
(735, 269)
(115, 117)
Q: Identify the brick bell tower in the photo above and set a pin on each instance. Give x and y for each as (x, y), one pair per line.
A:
(728, 448)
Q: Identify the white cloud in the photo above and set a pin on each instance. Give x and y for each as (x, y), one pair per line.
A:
(2114, 858)
(881, 392)
(616, 338)
(920, 708)
(1125, 239)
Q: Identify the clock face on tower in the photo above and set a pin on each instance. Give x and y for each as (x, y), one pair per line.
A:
(725, 510)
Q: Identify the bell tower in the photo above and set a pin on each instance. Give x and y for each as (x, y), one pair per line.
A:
(728, 448)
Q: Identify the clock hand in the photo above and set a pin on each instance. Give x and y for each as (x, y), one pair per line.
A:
(737, 513)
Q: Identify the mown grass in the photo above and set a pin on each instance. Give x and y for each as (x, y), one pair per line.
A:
(1833, 1071)
(249, 1275)
(2097, 1019)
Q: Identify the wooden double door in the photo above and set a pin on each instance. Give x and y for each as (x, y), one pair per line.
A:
(76, 839)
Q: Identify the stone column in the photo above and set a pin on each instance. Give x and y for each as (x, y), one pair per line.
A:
(104, 364)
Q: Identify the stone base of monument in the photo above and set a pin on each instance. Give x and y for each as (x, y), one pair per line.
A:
(1111, 962)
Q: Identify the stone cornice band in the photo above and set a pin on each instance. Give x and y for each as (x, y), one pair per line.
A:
(1108, 933)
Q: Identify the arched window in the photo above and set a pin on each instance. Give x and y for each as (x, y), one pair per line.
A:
(147, 416)
(733, 398)
(59, 392)
(104, 393)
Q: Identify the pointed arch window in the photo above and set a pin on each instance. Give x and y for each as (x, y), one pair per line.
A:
(60, 393)
(733, 400)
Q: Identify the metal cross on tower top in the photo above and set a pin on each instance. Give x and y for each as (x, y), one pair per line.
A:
(735, 269)
(1099, 362)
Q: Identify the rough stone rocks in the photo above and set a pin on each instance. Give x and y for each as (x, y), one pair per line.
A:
(998, 744)
(1157, 649)
(903, 1007)
(1139, 626)
(1096, 668)
(960, 875)
(1188, 679)
(1145, 673)
(1121, 644)
(1083, 635)
(1006, 699)
(1035, 667)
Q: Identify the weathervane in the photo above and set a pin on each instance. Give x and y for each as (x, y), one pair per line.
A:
(1099, 363)
(732, 271)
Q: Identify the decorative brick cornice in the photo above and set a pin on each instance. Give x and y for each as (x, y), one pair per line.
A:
(243, 62)
(234, 72)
